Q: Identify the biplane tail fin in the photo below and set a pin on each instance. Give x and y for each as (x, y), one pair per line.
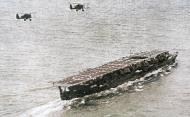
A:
(71, 7)
(17, 16)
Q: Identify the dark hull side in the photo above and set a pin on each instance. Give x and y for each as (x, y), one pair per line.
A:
(114, 73)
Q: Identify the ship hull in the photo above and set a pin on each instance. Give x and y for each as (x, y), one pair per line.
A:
(114, 73)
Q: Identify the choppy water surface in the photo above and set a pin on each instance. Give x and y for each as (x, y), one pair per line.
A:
(59, 42)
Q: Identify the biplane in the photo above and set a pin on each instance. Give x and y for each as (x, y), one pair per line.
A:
(77, 6)
(25, 16)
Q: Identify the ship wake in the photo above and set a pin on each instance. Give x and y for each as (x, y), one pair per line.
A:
(130, 86)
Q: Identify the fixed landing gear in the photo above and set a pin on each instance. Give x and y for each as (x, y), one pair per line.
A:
(26, 19)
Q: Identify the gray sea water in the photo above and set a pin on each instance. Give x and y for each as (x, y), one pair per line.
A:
(59, 42)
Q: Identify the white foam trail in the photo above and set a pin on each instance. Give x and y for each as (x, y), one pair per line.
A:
(45, 110)
(59, 105)
(138, 83)
(136, 89)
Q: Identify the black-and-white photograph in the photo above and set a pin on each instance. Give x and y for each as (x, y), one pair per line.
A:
(94, 58)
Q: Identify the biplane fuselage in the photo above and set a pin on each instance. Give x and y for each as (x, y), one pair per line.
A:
(77, 7)
(25, 16)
